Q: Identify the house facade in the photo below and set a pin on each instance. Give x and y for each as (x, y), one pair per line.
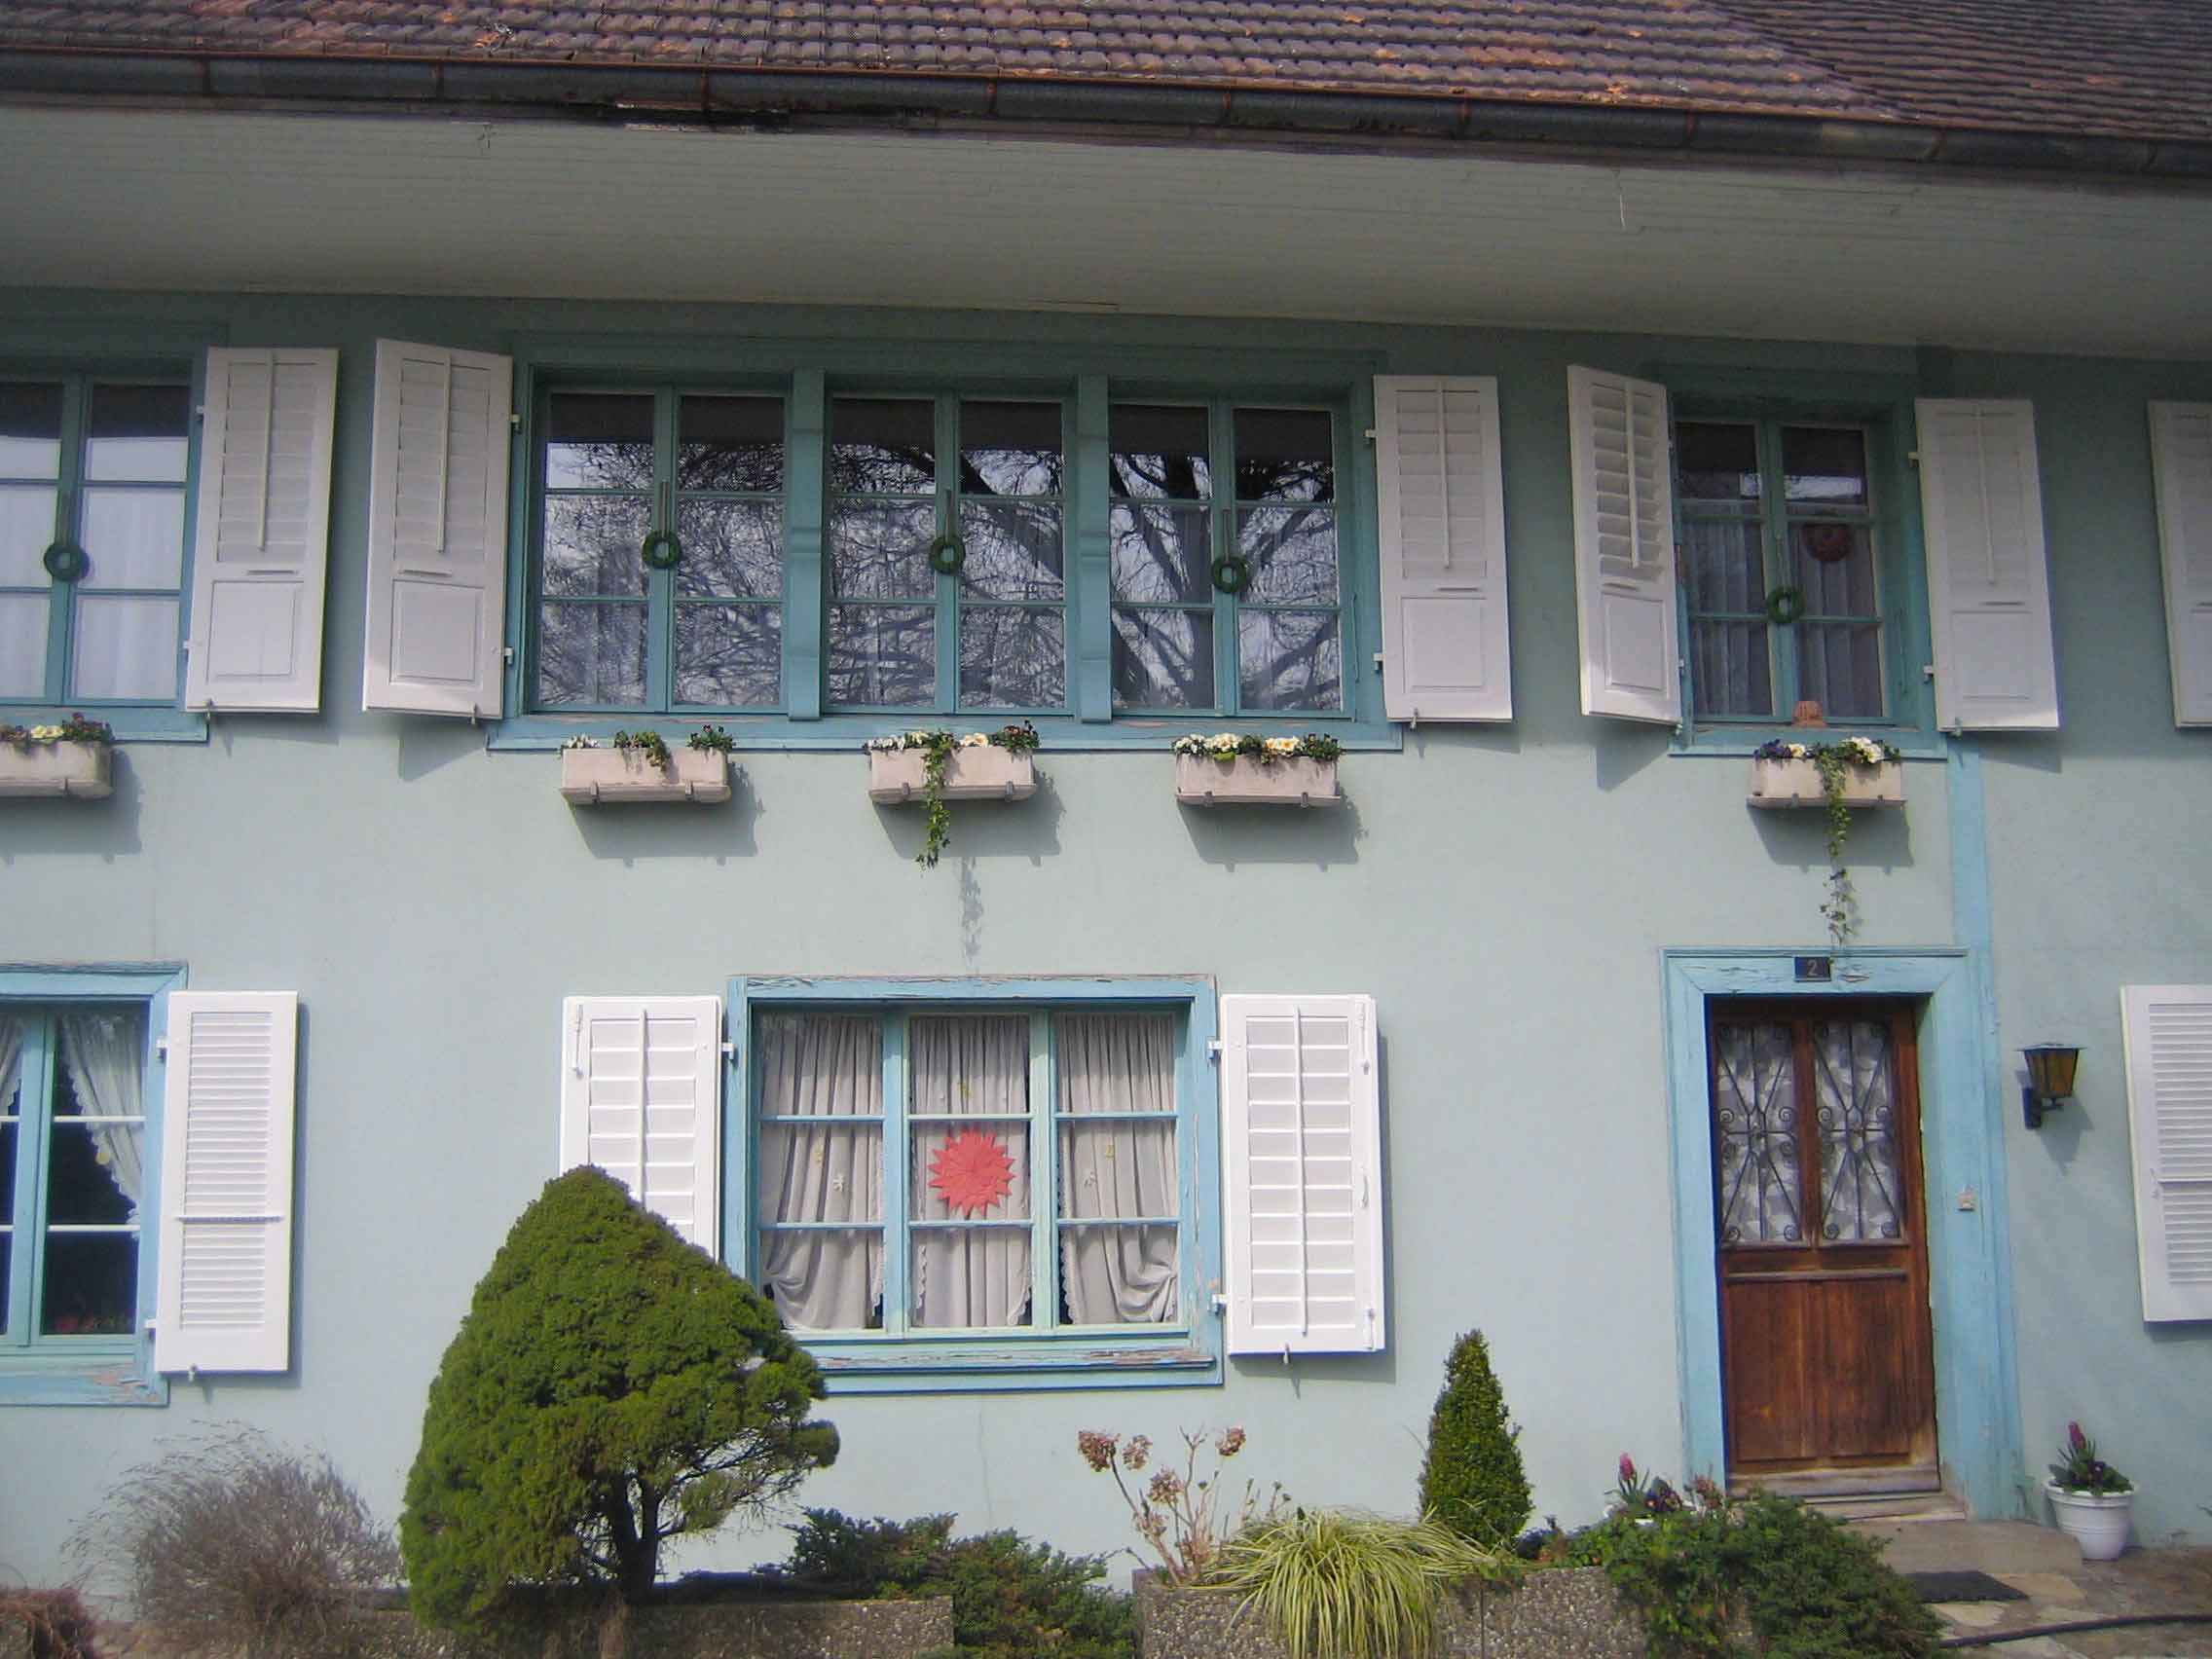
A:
(385, 405)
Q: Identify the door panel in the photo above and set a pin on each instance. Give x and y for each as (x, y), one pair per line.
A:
(1822, 1254)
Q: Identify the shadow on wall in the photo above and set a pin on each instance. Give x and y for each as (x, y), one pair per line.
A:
(1316, 835)
(102, 826)
(1028, 828)
(1881, 837)
(1621, 749)
(630, 830)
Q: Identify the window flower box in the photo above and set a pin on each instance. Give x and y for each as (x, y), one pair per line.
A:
(1798, 783)
(596, 777)
(75, 758)
(1237, 769)
(979, 772)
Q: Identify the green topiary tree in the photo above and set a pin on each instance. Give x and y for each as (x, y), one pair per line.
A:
(611, 1387)
(1471, 1479)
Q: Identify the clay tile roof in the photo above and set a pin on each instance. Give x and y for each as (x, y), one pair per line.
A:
(2119, 68)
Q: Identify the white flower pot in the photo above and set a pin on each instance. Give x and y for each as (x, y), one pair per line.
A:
(2096, 1521)
(1245, 780)
(986, 772)
(598, 776)
(1798, 783)
(76, 769)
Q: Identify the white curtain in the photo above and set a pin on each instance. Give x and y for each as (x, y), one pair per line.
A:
(970, 1066)
(823, 1066)
(106, 1057)
(10, 1060)
(1117, 1062)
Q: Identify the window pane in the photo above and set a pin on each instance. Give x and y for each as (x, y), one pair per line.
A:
(730, 443)
(1013, 550)
(1284, 454)
(83, 1183)
(729, 656)
(23, 644)
(822, 1065)
(880, 549)
(30, 431)
(882, 446)
(125, 648)
(972, 1278)
(825, 1278)
(591, 654)
(134, 537)
(593, 545)
(1726, 570)
(1118, 1276)
(732, 549)
(1160, 451)
(1716, 461)
(1010, 449)
(1730, 667)
(1293, 554)
(1162, 554)
(1835, 567)
(11, 1034)
(1162, 659)
(26, 531)
(598, 441)
(138, 434)
(1854, 1109)
(970, 1066)
(1839, 664)
(1754, 1104)
(1289, 660)
(883, 655)
(92, 1284)
(1012, 657)
(1825, 465)
(1114, 1064)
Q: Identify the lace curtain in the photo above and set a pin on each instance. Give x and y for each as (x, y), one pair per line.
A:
(970, 1066)
(830, 1277)
(105, 1054)
(1117, 1063)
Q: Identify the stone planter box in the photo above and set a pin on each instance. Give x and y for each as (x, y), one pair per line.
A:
(1798, 783)
(1563, 1613)
(81, 769)
(595, 777)
(896, 776)
(1202, 781)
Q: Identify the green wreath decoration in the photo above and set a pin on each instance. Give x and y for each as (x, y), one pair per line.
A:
(661, 551)
(1785, 605)
(67, 561)
(947, 553)
(1232, 572)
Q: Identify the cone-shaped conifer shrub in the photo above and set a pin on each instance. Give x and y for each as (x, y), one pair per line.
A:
(611, 1387)
(1472, 1480)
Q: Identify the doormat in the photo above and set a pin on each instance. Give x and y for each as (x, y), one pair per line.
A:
(1962, 1587)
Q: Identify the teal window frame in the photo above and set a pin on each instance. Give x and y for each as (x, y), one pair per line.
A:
(1182, 1354)
(1085, 381)
(101, 1370)
(1881, 406)
(142, 721)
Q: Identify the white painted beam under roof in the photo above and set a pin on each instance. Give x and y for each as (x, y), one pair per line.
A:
(218, 200)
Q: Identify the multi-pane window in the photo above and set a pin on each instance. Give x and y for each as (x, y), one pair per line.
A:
(659, 575)
(1227, 586)
(945, 549)
(1780, 556)
(73, 1159)
(923, 1172)
(91, 539)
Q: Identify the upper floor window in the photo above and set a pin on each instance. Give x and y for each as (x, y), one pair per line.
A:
(91, 539)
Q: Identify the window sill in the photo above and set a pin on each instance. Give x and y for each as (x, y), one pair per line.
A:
(129, 725)
(114, 1376)
(864, 1365)
(1741, 742)
(844, 734)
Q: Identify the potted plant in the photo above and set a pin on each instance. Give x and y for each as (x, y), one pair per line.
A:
(2091, 1499)
(72, 759)
(933, 766)
(639, 766)
(1855, 771)
(1240, 768)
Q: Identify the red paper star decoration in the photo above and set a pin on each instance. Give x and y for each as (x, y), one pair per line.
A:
(971, 1171)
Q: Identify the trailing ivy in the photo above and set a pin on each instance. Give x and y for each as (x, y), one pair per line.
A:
(936, 746)
(1836, 764)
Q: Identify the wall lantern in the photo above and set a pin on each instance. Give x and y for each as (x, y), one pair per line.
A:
(2050, 1080)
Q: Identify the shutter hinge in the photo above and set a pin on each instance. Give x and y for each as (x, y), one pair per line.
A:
(160, 1048)
(1213, 1050)
(514, 423)
(1369, 434)
(1912, 457)
(1928, 671)
(507, 655)
(199, 412)
(730, 1051)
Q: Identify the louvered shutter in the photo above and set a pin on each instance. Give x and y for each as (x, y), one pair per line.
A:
(437, 532)
(225, 1301)
(261, 535)
(2168, 1034)
(1988, 587)
(1444, 647)
(1301, 1116)
(2181, 458)
(641, 1095)
(1624, 547)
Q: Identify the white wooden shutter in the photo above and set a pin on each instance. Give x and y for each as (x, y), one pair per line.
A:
(1624, 547)
(1300, 1118)
(641, 1097)
(2181, 460)
(437, 531)
(261, 536)
(225, 1301)
(1988, 584)
(1445, 642)
(2168, 1030)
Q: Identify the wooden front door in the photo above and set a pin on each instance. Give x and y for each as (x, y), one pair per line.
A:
(1822, 1242)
